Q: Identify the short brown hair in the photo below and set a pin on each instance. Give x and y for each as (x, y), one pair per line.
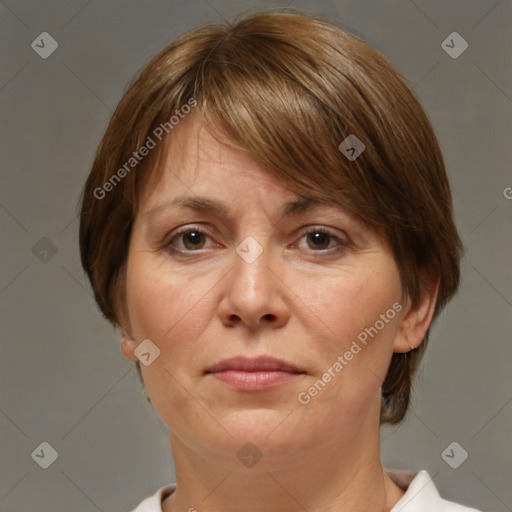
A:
(288, 87)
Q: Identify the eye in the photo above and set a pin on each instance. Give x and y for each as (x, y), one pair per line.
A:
(192, 239)
(321, 239)
(187, 239)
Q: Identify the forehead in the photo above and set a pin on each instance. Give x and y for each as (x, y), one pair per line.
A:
(193, 161)
(200, 173)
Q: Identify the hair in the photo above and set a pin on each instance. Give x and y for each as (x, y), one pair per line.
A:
(287, 87)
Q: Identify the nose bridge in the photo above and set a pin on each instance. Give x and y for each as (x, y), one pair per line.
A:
(251, 292)
(250, 265)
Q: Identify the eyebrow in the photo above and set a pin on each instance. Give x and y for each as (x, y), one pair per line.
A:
(207, 205)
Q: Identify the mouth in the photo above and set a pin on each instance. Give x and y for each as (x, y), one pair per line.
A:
(254, 374)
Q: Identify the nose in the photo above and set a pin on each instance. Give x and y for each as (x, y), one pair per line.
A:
(254, 293)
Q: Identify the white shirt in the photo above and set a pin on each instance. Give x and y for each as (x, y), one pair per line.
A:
(420, 495)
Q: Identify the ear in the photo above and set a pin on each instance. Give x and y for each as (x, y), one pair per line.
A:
(128, 345)
(416, 320)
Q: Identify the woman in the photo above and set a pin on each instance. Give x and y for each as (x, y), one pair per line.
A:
(269, 223)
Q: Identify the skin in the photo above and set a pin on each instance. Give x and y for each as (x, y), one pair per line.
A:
(301, 300)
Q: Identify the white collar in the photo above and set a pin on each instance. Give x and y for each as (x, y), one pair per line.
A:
(421, 494)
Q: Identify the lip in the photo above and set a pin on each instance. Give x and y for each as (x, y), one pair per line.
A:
(254, 374)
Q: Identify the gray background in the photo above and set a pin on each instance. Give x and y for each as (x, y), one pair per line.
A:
(63, 379)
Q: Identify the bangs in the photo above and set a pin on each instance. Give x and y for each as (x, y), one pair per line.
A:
(272, 117)
(285, 104)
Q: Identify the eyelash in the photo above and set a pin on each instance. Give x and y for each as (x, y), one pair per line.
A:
(341, 243)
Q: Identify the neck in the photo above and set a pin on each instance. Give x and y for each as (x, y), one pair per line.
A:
(339, 474)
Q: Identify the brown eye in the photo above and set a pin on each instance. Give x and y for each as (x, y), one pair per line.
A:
(187, 240)
(318, 239)
(322, 241)
(193, 239)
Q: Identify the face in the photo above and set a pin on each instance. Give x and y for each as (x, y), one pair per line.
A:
(224, 262)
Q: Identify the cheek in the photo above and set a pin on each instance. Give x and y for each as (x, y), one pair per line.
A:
(162, 303)
(360, 311)
(373, 334)
(172, 311)
(347, 306)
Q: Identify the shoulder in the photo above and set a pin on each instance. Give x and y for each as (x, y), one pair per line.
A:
(154, 502)
(421, 494)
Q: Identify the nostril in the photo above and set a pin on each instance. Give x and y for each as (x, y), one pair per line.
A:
(233, 319)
